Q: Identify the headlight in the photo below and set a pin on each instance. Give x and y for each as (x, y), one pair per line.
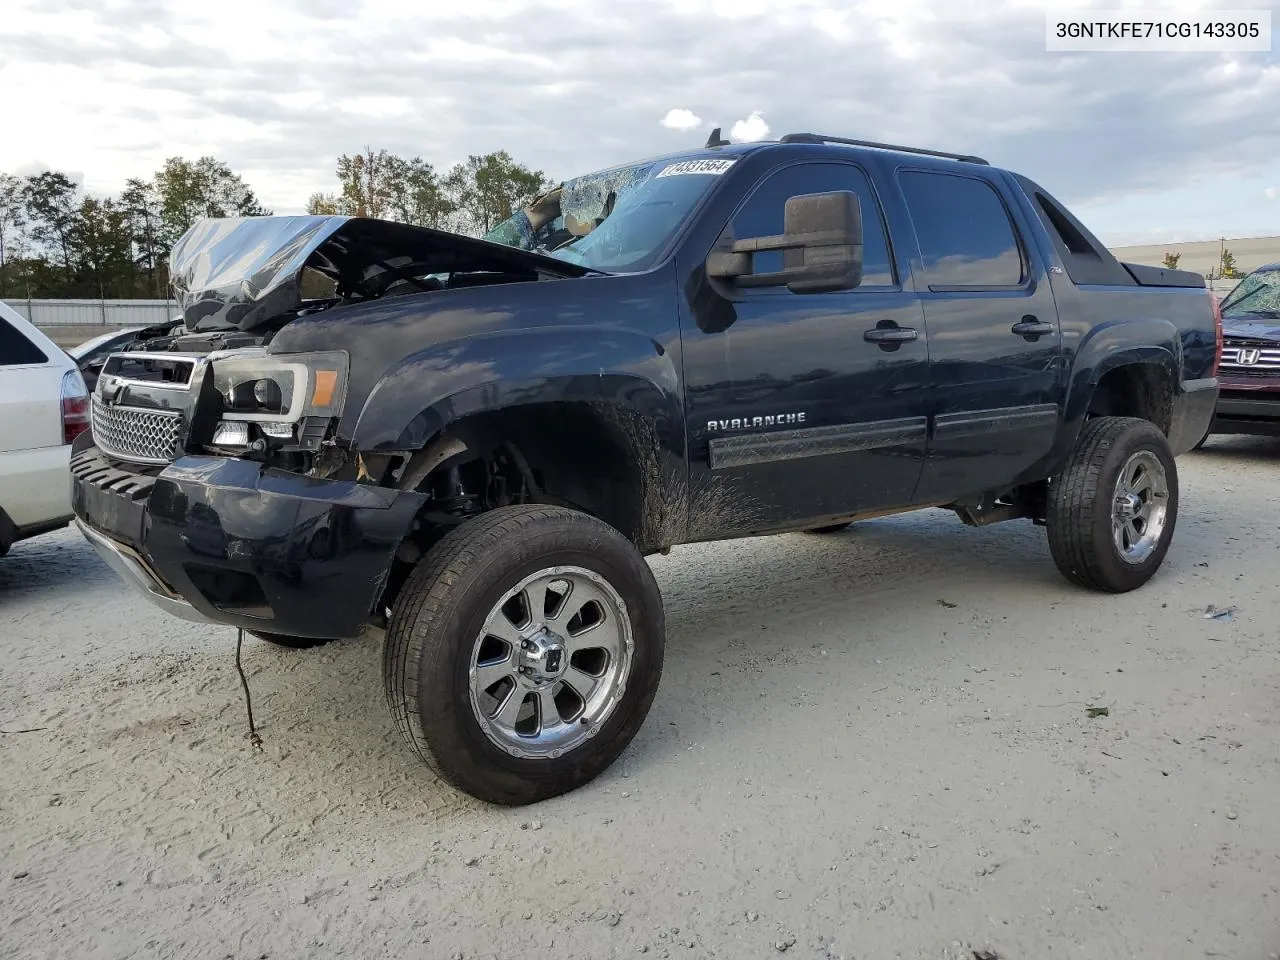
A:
(284, 389)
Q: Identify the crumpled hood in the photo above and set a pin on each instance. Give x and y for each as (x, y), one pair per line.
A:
(1251, 326)
(241, 273)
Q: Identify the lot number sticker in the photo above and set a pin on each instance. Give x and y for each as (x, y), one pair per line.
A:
(684, 167)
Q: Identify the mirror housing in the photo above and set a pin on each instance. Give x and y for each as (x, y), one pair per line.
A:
(821, 247)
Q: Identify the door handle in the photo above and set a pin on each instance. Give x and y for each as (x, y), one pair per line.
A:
(891, 335)
(1031, 328)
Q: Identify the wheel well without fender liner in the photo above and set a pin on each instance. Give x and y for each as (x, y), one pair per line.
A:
(1142, 390)
(574, 454)
(599, 458)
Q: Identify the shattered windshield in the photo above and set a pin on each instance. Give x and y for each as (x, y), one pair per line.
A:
(615, 220)
(1257, 293)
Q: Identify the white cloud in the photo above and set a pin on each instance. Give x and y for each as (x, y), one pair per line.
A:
(680, 119)
(133, 82)
(1271, 193)
(752, 128)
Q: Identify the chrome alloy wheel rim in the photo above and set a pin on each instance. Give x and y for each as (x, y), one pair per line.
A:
(551, 662)
(1140, 507)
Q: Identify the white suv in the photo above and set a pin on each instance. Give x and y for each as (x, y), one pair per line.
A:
(44, 406)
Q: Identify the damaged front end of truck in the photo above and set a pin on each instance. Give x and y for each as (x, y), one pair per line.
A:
(217, 476)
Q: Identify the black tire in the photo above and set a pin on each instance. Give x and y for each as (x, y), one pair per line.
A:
(1079, 516)
(293, 643)
(441, 611)
(830, 528)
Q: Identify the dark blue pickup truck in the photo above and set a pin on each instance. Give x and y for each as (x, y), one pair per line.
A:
(475, 443)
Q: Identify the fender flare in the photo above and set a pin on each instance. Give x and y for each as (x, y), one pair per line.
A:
(629, 379)
(1152, 341)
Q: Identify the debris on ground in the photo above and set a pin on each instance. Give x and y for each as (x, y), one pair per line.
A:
(1092, 712)
(1214, 613)
(785, 944)
(254, 739)
(985, 955)
(947, 603)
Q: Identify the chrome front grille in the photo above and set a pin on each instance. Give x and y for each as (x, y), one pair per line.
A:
(1259, 358)
(142, 436)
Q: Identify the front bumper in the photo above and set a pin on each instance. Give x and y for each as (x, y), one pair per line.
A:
(228, 541)
(1248, 406)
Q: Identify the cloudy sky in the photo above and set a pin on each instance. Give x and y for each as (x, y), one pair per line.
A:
(1147, 147)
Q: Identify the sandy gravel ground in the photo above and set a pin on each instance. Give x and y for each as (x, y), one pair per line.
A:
(873, 745)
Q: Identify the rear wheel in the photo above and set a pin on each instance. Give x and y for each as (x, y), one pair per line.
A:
(1112, 512)
(524, 653)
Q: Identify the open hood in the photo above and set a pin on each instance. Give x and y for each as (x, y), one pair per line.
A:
(242, 273)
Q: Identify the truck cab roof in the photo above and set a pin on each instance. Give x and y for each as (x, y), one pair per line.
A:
(838, 146)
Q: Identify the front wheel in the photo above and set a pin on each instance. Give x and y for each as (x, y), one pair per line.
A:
(524, 653)
(1111, 514)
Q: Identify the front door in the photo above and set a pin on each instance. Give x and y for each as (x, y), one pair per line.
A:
(802, 407)
(995, 346)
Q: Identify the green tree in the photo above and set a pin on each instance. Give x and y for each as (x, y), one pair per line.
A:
(323, 205)
(103, 248)
(206, 187)
(141, 205)
(384, 185)
(1171, 260)
(52, 206)
(488, 189)
(416, 193)
(365, 186)
(1228, 265)
(12, 220)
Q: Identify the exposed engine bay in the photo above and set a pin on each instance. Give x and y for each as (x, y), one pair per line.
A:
(245, 275)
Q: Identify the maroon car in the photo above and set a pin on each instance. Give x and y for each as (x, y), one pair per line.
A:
(1249, 373)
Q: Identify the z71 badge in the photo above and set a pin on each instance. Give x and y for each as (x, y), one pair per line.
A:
(748, 423)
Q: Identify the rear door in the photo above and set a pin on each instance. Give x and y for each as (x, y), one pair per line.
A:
(30, 389)
(995, 346)
(795, 410)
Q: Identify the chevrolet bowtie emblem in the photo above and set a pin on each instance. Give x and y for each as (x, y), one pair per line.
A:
(109, 389)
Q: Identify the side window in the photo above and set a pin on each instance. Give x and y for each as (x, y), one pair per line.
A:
(15, 348)
(761, 216)
(966, 236)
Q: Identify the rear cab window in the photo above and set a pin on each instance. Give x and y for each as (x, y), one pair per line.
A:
(1086, 260)
(967, 238)
(16, 349)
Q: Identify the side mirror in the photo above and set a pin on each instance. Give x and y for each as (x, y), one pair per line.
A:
(821, 247)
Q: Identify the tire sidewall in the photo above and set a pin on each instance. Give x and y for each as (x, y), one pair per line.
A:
(444, 696)
(1124, 574)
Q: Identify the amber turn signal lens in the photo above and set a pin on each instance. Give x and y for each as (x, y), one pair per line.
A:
(326, 384)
